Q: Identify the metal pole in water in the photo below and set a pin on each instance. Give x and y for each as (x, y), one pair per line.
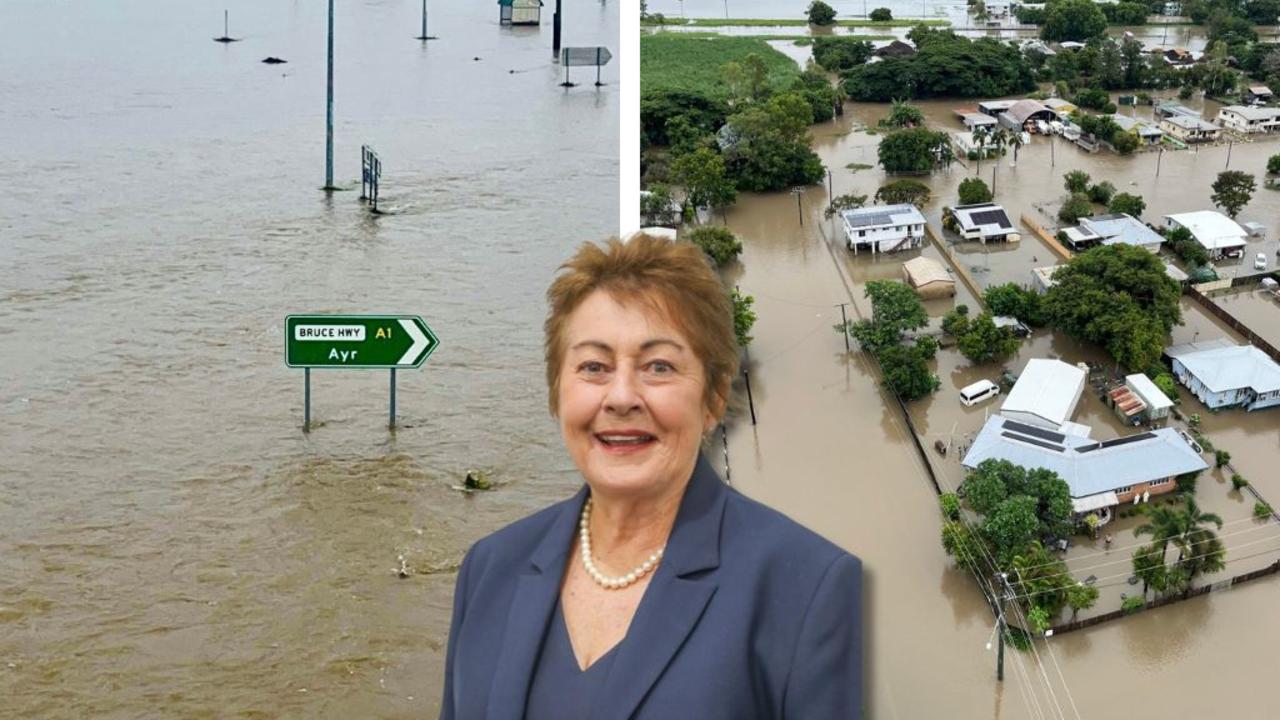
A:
(555, 32)
(306, 400)
(424, 19)
(328, 124)
(393, 399)
(844, 323)
(1230, 144)
(225, 25)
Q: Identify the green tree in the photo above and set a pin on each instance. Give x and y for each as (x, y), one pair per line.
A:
(1014, 301)
(1011, 526)
(656, 206)
(944, 65)
(1165, 382)
(1101, 192)
(1076, 207)
(1203, 553)
(1119, 297)
(1232, 191)
(1263, 12)
(702, 173)
(881, 15)
(1221, 457)
(1076, 181)
(1077, 20)
(903, 191)
(717, 242)
(956, 321)
(1124, 142)
(906, 369)
(895, 309)
(960, 542)
(1127, 204)
(950, 505)
(841, 52)
(766, 147)
(983, 342)
(903, 115)
(744, 318)
(1081, 597)
(985, 490)
(1148, 565)
(914, 150)
(821, 13)
(844, 202)
(974, 190)
(1273, 162)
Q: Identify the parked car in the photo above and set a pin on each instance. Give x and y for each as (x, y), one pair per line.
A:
(1260, 262)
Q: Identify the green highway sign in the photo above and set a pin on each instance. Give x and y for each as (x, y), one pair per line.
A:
(357, 341)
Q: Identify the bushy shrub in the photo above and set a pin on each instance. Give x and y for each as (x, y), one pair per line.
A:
(881, 15)
(821, 13)
(1238, 482)
(1078, 206)
(717, 242)
(1101, 192)
(950, 505)
(1221, 457)
(1133, 604)
(1261, 510)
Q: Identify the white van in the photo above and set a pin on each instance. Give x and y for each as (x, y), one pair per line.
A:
(973, 394)
(1260, 262)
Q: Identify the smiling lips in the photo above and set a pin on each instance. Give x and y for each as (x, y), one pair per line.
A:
(625, 441)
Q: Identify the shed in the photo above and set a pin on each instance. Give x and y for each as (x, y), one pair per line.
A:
(1158, 404)
(973, 120)
(1046, 393)
(519, 12)
(1023, 115)
(1060, 106)
(1258, 94)
(929, 278)
(1218, 234)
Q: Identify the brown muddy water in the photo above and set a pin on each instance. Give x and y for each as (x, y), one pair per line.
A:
(831, 449)
(171, 543)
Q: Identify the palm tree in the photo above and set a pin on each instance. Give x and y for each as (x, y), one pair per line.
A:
(1165, 525)
(1205, 554)
(1016, 141)
(980, 134)
(1191, 520)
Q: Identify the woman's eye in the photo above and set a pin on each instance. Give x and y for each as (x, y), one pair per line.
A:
(591, 367)
(661, 366)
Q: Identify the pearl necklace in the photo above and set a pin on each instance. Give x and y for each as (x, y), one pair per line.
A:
(604, 581)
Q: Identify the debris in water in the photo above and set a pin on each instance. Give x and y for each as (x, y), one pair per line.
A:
(273, 60)
(403, 571)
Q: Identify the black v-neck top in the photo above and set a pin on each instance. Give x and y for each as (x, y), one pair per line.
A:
(559, 690)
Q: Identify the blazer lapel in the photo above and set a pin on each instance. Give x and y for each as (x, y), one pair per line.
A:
(535, 596)
(674, 601)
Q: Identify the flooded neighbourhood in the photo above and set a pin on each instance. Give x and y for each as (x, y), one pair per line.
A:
(171, 543)
(832, 447)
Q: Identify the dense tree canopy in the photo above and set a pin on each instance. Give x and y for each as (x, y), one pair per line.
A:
(981, 341)
(766, 146)
(1128, 204)
(914, 150)
(841, 52)
(974, 190)
(895, 309)
(903, 191)
(1232, 191)
(1015, 301)
(945, 65)
(1119, 297)
(820, 13)
(1076, 20)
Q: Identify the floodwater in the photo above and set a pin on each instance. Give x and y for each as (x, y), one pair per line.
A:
(171, 543)
(831, 449)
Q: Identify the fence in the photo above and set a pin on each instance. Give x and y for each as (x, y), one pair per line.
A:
(1054, 246)
(965, 277)
(1226, 317)
(1271, 569)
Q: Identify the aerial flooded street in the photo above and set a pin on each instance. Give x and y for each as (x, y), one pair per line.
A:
(171, 543)
(832, 448)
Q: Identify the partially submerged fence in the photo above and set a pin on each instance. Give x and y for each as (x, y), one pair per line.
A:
(1219, 312)
(1050, 241)
(965, 277)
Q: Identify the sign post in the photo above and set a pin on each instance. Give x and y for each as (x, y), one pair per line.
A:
(370, 173)
(363, 342)
(584, 57)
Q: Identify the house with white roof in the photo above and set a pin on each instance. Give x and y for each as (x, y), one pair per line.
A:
(1249, 119)
(1219, 235)
(1046, 394)
(1111, 230)
(1100, 474)
(982, 222)
(883, 228)
(1222, 374)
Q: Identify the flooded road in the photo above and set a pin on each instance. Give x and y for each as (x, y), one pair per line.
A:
(170, 543)
(831, 449)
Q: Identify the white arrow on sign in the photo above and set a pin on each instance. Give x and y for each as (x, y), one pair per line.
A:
(420, 342)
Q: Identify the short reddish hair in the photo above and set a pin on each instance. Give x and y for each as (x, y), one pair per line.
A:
(674, 278)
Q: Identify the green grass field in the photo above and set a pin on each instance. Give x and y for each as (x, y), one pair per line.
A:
(671, 61)
(796, 22)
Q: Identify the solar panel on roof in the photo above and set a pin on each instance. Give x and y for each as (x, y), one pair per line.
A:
(1033, 441)
(1041, 433)
(863, 220)
(1127, 440)
(990, 217)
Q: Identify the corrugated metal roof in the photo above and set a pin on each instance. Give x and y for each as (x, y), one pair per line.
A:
(1221, 366)
(880, 215)
(1211, 229)
(1088, 466)
(1148, 391)
(1047, 389)
(924, 270)
(1122, 228)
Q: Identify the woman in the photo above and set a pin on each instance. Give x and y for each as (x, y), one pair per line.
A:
(656, 592)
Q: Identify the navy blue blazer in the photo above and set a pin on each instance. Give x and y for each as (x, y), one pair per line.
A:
(749, 615)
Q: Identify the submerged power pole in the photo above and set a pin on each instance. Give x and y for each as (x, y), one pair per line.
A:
(328, 120)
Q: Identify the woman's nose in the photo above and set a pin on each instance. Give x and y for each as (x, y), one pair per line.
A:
(623, 394)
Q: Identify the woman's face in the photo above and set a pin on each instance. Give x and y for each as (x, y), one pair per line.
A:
(631, 400)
